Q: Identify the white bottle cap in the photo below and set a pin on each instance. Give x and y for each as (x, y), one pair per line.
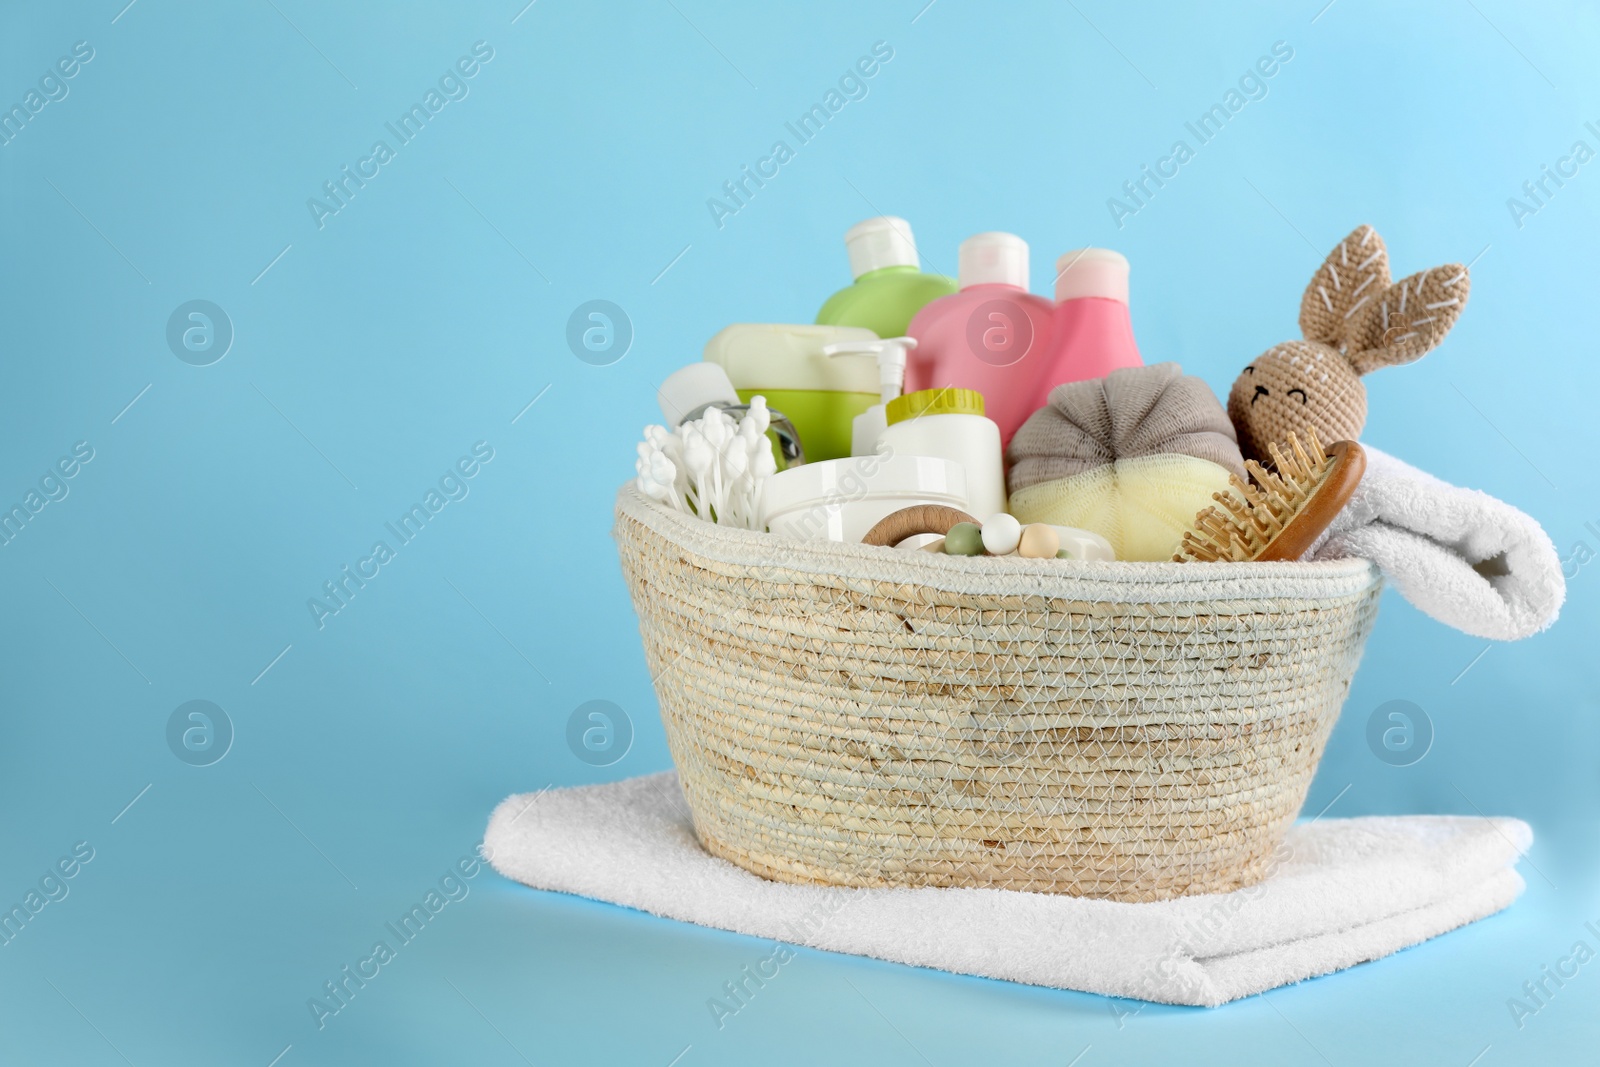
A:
(692, 387)
(1092, 272)
(994, 259)
(885, 241)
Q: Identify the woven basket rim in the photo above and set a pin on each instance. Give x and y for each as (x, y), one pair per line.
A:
(1079, 580)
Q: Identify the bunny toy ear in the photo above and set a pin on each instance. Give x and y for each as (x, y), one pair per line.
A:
(1409, 319)
(1354, 272)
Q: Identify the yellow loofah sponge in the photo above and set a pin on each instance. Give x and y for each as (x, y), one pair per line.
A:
(1142, 505)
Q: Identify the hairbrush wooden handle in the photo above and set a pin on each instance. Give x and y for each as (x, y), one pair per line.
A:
(1301, 532)
(917, 519)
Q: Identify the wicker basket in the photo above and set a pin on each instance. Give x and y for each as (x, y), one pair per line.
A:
(860, 716)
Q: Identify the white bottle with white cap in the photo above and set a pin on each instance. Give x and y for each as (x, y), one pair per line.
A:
(890, 287)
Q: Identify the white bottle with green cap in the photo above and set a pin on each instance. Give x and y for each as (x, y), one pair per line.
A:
(949, 423)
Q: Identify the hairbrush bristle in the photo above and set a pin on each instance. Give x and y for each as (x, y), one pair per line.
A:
(1246, 520)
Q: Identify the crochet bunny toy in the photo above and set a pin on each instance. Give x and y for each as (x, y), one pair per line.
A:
(1354, 321)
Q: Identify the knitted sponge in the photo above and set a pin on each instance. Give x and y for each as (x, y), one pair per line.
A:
(1132, 456)
(1135, 411)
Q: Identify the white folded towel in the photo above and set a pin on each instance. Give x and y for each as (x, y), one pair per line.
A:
(1469, 560)
(1342, 891)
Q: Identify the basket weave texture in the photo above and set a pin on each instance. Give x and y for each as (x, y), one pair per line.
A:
(861, 716)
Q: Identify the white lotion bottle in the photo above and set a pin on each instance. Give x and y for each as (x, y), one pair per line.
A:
(950, 424)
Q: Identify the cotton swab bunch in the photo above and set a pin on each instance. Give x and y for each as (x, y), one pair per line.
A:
(711, 466)
(1280, 516)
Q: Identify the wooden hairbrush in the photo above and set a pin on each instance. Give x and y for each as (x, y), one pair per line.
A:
(1281, 515)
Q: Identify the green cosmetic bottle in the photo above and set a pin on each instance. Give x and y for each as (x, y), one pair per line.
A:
(890, 287)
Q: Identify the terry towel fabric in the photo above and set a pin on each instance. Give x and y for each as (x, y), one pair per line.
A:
(1341, 892)
(1463, 557)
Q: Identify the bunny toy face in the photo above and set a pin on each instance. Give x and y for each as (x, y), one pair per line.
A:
(1354, 321)
(1297, 385)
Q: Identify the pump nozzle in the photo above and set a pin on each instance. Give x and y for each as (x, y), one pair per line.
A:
(891, 353)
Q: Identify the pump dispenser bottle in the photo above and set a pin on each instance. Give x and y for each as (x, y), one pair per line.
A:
(890, 353)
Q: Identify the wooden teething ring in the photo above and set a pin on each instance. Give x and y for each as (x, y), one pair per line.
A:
(918, 519)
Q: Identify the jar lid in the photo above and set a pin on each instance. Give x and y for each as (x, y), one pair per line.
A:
(858, 485)
(947, 401)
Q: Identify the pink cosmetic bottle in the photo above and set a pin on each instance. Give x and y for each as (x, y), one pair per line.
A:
(991, 336)
(1092, 334)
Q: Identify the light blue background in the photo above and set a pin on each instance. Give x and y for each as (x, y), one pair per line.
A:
(429, 312)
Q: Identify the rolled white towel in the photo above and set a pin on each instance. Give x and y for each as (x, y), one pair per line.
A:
(1471, 561)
